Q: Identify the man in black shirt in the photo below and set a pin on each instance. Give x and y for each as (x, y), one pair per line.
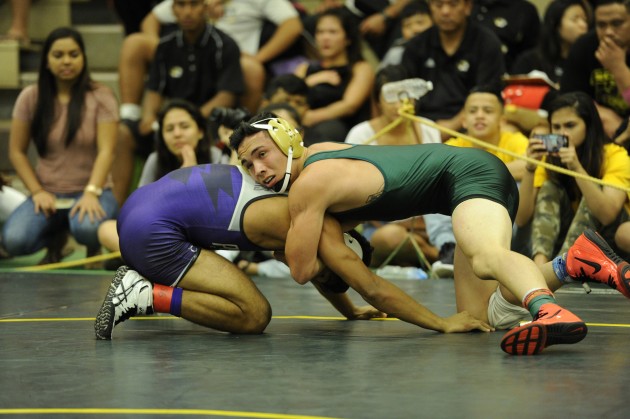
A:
(598, 63)
(456, 55)
(197, 62)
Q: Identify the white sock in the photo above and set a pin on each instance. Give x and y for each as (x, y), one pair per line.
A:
(130, 111)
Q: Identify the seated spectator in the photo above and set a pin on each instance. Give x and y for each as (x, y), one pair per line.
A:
(414, 18)
(386, 237)
(515, 22)
(198, 63)
(287, 88)
(378, 21)
(72, 122)
(564, 22)
(455, 54)
(561, 207)
(182, 141)
(339, 83)
(598, 64)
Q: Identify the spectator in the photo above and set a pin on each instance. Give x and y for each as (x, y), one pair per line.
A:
(339, 84)
(377, 20)
(549, 199)
(515, 22)
(414, 18)
(138, 50)
(182, 141)
(598, 63)
(72, 121)
(287, 88)
(455, 54)
(564, 22)
(386, 237)
(198, 63)
(482, 117)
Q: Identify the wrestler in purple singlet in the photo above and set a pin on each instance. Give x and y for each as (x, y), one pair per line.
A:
(164, 225)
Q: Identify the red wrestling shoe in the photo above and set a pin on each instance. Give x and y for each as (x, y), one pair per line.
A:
(591, 259)
(553, 325)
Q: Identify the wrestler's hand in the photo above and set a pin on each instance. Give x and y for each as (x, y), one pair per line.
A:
(464, 322)
(366, 313)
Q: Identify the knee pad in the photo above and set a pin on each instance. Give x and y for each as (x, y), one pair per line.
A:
(505, 315)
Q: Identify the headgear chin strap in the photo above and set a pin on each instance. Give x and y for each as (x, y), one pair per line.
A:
(288, 140)
(281, 188)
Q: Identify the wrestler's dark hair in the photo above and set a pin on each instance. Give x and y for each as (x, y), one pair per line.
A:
(245, 129)
(167, 161)
(591, 151)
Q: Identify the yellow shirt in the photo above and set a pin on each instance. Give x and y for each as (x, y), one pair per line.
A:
(512, 141)
(616, 169)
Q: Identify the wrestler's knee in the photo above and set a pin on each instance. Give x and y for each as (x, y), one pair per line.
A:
(255, 317)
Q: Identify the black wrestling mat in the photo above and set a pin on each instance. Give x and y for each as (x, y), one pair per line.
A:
(309, 363)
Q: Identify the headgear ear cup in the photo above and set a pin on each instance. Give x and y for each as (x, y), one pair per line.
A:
(359, 245)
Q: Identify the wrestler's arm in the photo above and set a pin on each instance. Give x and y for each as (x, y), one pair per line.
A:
(308, 202)
(382, 294)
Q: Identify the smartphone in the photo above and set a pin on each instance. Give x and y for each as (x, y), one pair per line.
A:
(553, 142)
(64, 203)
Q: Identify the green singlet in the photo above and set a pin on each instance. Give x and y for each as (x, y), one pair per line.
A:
(427, 178)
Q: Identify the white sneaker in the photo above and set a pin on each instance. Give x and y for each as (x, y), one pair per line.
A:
(440, 269)
(129, 295)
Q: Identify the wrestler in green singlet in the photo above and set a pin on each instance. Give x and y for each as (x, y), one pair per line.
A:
(432, 178)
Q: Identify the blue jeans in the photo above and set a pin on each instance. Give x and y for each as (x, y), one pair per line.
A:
(25, 232)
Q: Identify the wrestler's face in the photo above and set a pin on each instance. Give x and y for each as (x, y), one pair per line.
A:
(262, 159)
(613, 21)
(180, 130)
(567, 122)
(482, 116)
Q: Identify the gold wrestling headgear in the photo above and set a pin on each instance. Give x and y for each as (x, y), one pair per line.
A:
(283, 134)
(288, 140)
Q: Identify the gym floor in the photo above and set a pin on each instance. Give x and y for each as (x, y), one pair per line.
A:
(310, 363)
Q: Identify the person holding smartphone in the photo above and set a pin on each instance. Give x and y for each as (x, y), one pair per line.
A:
(561, 207)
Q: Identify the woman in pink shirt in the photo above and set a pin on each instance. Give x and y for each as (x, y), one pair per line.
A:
(72, 121)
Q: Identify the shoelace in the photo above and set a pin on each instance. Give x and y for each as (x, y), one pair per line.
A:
(128, 308)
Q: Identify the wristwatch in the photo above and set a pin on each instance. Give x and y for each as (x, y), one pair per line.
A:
(94, 189)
